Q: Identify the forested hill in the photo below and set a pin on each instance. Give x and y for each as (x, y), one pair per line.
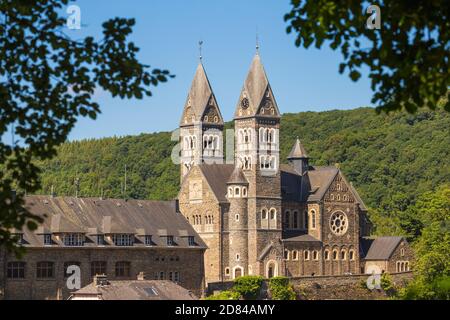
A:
(389, 158)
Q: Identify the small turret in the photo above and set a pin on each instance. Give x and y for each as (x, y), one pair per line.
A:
(298, 158)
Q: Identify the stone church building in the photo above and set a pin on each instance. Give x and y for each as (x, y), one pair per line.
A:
(257, 215)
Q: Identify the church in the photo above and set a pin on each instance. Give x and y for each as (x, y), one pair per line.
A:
(257, 215)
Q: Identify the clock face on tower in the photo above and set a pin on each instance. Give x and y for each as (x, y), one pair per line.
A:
(244, 103)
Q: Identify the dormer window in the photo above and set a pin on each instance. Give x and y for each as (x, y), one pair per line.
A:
(191, 241)
(170, 241)
(100, 239)
(48, 239)
(123, 239)
(73, 239)
(148, 240)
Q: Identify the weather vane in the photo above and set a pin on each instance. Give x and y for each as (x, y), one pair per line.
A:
(200, 43)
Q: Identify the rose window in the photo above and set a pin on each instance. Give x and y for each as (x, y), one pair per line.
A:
(338, 223)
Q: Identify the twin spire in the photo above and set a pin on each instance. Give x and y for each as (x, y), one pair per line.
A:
(256, 97)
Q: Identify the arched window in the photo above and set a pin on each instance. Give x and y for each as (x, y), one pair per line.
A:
(227, 271)
(326, 255)
(286, 254)
(305, 220)
(306, 254)
(343, 255)
(264, 215)
(402, 252)
(287, 217)
(236, 217)
(335, 255)
(295, 255)
(315, 255)
(230, 191)
(313, 219)
(237, 191)
(351, 255)
(273, 214)
(338, 197)
(295, 222)
(244, 191)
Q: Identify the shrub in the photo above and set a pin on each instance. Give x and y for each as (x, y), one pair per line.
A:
(248, 286)
(387, 285)
(225, 295)
(281, 289)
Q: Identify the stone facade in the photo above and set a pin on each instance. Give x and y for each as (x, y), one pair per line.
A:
(269, 218)
(151, 261)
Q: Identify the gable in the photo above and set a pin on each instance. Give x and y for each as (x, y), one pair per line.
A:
(268, 105)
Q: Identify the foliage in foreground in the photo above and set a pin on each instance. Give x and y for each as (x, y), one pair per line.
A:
(48, 81)
(281, 289)
(249, 287)
(225, 295)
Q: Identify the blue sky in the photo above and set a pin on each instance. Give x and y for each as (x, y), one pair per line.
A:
(168, 33)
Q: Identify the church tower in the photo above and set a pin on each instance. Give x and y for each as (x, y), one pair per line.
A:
(257, 124)
(201, 125)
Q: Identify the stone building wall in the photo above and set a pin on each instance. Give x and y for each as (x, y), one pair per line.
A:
(151, 261)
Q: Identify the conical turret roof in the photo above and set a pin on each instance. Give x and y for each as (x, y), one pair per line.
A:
(298, 151)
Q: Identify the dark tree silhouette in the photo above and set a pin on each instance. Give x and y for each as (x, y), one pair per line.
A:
(408, 57)
(48, 80)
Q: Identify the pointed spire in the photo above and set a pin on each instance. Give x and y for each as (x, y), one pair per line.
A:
(199, 98)
(256, 89)
(298, 151)
(237, 177)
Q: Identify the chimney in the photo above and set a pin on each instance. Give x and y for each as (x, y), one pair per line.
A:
(100, 280)
(141, 276)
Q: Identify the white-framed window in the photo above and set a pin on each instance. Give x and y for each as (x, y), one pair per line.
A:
(326, 254)
(402, 252)
(237, 191)
(123, 239)
(264, 215)
(268, 162)
(238, 257)
(294, 255)
(343, 255)
(48, 239)
(335, 255)
(286, 254)
(315, 255)
(306, 255)
(351, 255)
(230, 191)
(313, 219)
(236, 217)
(227, 271)
(73, 239)
(273, 214)
(244, 191)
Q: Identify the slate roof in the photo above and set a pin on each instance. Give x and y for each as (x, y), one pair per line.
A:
(380, 248)
(217, 176)
(298, 236)
(312, 186)
(256, 84)
(237, 177)
(93, 216)
(135, 290)
(200, 95)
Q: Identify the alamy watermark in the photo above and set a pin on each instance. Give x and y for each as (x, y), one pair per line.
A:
(374, 21)
(74, 19)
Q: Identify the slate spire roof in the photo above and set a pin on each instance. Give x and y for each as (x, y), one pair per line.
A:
(256, 87)
(200, 96)
(237, 177)
(298, 151)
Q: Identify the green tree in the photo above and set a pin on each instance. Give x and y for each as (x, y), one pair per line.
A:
(407, 58)
(47, 81)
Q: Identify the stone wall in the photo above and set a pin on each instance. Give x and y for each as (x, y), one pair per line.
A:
(345, 287)
(151, 261)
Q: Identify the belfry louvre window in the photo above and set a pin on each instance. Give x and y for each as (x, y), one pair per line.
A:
(16, 270)
(98, 267)
(123, 239)
(123, 269)
(45, 269)
(73, 239)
